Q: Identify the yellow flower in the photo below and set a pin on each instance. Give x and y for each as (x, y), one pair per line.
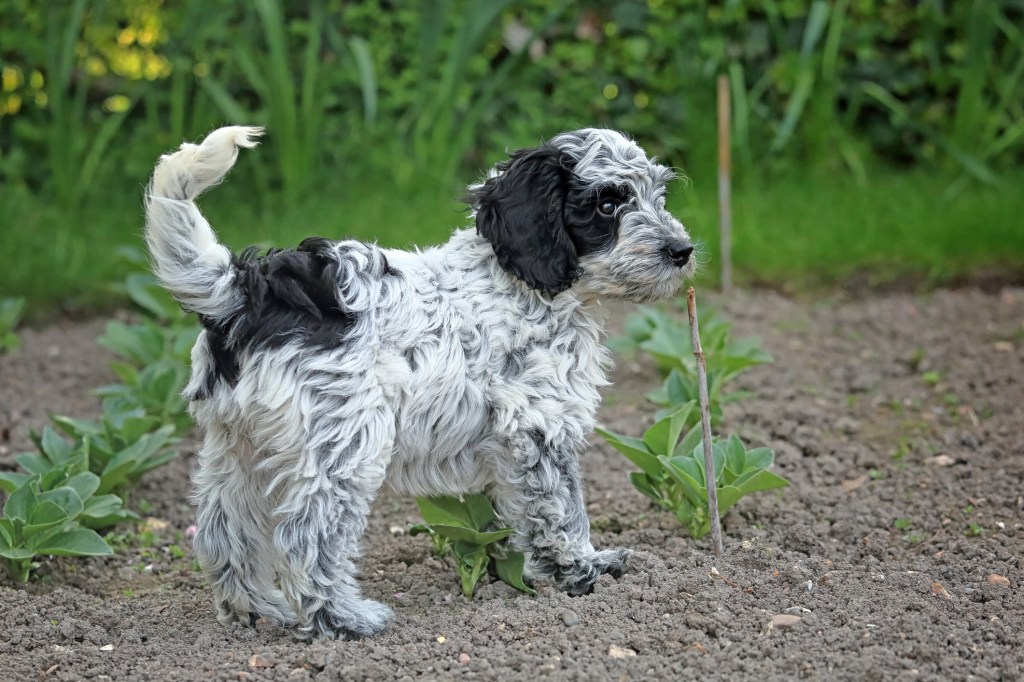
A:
(94, 66)
(115, 104)
(36, 80)
(126, 37)
(13, 105)
(11, 78)
(41, 99)
(610, 91)
(641, 100)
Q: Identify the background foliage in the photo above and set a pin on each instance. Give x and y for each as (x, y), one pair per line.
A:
(365, 96)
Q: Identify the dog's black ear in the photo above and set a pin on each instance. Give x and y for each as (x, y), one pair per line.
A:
(521, 212)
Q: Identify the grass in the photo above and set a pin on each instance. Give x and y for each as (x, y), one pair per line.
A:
(791, 231)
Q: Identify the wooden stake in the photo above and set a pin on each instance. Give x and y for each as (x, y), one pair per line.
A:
(705, 424)
(724, 182)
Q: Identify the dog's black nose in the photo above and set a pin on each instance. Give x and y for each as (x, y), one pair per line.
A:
(679, 252)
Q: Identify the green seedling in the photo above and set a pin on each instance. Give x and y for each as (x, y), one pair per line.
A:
(671, 462)
(902, 524)
(667, 341)
(124, 445)
(465, 528)
(11, 310)
(57, 464)
(40, 522)
(931, 378)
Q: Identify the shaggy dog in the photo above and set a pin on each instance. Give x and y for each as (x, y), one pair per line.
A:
(331, 372)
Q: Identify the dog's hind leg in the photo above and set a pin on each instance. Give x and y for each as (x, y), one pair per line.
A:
(231, 538)
(539, 492)
(322, 520)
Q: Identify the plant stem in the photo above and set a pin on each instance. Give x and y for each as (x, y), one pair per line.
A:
(705, 423)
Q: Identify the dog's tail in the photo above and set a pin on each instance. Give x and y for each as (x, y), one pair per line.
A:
(187, 258)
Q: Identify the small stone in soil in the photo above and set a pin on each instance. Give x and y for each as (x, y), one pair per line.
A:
(260, 661)
(463, 658)
(616, 651)
(940, 591)
(996, 579)
(783, 621)
(570, 618)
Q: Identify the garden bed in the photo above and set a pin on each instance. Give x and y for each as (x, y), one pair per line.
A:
(898, 545)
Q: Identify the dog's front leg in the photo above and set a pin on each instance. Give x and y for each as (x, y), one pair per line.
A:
(539, 492)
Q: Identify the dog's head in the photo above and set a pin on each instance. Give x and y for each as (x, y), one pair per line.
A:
(585, 210)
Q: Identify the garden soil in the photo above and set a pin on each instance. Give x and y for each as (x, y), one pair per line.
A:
(895, 554)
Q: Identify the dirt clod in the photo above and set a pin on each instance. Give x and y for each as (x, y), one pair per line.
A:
(261, 661)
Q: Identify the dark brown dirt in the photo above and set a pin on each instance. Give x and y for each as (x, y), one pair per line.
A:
(899, 407)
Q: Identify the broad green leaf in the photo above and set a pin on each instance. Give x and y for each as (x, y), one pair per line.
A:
(20, 503)
(761, 480)
(463, 534)
(85, 484)
(480, 510)
(12, 480)
(33, 463)
(690, 442)
(510, 571)
(55, 447)
(760, 458)
(682, 471)
(644, 484)
(78, 542)
(661, 438)
(727, 497)
(66, 498)
(115, 473)
(635, 450)
(17, 553)
(77, 427)
(445, 510)
(45, 512)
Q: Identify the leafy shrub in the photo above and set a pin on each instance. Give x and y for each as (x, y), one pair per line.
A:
(671, 462)
(465, 529)
(11, 310)
(667, 340)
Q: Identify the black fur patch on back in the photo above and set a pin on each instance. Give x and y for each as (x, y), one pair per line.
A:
(289, 295)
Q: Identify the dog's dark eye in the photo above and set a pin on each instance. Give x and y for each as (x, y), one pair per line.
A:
(607, 206)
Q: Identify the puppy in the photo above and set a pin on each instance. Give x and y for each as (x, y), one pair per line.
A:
(328, 373)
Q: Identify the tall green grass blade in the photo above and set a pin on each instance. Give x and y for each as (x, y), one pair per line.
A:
(817, 20)
(367, 78)
(971, 105)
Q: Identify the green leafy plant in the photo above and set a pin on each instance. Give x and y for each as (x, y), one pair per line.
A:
(667, 340)
(40, 522)
(123, 446)
(464, 528)
(671, 462)
(11, 310)
(57, 462)
(155, 356)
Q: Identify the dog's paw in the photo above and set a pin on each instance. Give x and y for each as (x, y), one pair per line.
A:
(578, 578)
(355, 620)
